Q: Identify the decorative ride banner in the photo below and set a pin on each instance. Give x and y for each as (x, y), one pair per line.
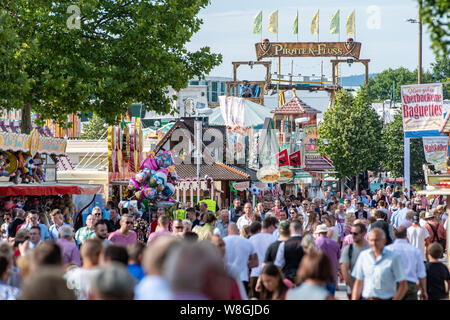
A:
(436, 150)
(422, 110)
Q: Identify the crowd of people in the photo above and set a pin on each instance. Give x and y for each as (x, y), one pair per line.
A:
(382, 246)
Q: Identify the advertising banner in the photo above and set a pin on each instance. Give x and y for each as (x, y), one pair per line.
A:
(283, 158)
(295, 159)
(422, 110)
(436, 150)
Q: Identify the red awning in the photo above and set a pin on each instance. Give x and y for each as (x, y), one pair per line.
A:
(49, 189)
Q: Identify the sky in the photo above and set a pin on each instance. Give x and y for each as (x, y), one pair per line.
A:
(387, 39)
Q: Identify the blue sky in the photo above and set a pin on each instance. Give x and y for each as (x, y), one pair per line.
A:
(228, 25)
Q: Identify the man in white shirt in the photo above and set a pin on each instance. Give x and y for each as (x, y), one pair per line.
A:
(246, 219)
(418, 236)
(413, 266)
(240, 253)
(261, 241)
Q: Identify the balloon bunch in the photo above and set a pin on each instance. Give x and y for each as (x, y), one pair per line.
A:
(156, 179)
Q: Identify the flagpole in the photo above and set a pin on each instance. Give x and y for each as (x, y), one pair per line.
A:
(318, 25)
(297, 25)
(339, 27)
(261, 26)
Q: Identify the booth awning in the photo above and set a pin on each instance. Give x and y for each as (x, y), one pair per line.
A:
(48, 189)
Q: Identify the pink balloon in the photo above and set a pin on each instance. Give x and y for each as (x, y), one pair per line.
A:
(149, 163)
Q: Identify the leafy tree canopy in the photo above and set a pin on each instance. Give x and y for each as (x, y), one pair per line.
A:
(353, 129)
(122, 52)
(435, 14)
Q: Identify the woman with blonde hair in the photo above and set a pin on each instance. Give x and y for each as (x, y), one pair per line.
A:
(333, 229)
(309, 244)
(349, 219)
(312, 223)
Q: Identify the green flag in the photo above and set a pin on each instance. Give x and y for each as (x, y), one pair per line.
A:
(334, 25)
(295, 26)
(257, 24)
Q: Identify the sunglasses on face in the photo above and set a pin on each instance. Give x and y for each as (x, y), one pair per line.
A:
(354, 233)
(179, 227)
(129, 222)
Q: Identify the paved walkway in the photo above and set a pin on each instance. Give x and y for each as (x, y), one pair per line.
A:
(341, 292)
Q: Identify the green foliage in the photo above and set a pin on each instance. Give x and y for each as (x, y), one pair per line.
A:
(435, 14)
(380, 87)
(393, 159)
(353, 129)
(441, 73)
(123, 52)
(94, 129)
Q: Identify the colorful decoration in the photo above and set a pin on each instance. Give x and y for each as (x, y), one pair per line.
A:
(156, 180)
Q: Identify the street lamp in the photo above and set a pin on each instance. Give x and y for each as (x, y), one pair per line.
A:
(419, 22)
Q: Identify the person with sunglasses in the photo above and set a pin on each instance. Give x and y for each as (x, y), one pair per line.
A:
(125, 235)
(293, 214)
(350, 254)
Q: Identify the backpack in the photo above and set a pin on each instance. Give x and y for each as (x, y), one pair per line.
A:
(436, 238)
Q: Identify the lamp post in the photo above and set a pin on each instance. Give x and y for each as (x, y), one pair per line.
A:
(419, 22)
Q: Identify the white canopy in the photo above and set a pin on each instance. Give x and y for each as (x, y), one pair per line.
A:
(254, 114)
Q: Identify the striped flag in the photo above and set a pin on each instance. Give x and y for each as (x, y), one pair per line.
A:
(334, 26)
(273, 22)
(350, 26)
(315, 23)
(295, 26)
(257, 23)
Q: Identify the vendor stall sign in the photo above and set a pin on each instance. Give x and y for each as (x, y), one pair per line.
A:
(422, 110)
(267, 49)
(34, 143)
(295, 159)
(436, 150)
(241, 186)
(283, 158)
(14, 141)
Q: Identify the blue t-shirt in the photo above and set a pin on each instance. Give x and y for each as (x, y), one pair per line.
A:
(136, 271)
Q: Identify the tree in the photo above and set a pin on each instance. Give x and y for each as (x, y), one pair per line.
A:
(353, 129)
(380, 87)
(121, 52)
(95, 129)
(393, 160)
(435, 15)
(441, 73)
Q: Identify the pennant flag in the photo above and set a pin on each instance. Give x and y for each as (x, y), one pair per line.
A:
(273, 22)
(295, 26)
(315, 23)
(334, 26)
(295, 159)
(281, 98)
(257, 23)
(282, 158)
(350, 26)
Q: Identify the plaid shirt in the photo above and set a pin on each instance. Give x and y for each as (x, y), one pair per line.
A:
(83, 234)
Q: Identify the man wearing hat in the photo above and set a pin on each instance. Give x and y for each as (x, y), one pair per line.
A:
(418, 236)
(331, 249)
